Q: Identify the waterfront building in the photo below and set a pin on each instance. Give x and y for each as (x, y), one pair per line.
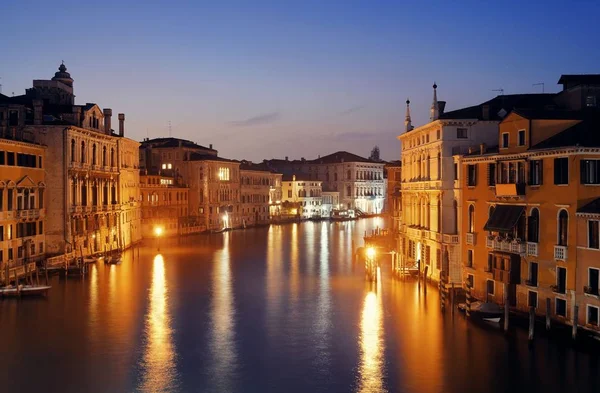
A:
(331, 200)
(359, 181)
(528, 210)
(587, 280)
(169, 153)
(304, 195)
(22, 202)
(258, 188)
(164, 203)
(393, 200)
(85, 205)
(429, 233)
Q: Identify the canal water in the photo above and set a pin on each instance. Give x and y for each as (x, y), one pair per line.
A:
(278, 309)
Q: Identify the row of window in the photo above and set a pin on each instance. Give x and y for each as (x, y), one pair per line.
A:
(26, 199)
(513, 172)
(520, 139)
(23, 229)
(413, 142)
(106, 160)
(12, 158)
(21, 250)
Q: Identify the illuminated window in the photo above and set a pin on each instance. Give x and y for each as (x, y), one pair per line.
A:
(169, 166)
(224, 174)
(164, 166)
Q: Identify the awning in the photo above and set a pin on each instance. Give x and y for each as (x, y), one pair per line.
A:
(504, 218)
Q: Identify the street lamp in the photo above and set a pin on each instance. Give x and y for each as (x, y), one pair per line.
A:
(371, 253)
(158, 232)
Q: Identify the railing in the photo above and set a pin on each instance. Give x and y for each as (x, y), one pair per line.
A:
(505, 246)
(517, 248)
(557, 289)
(489, 243)
(32, 213)
(470, 238)
(450, 239)
(532, 249)
(560, 253)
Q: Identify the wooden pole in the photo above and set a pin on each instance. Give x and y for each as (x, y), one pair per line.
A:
(452, 298)
(531, 322)
(547, 313)
(46, 270)
(424, 282)
(468, 301)
(575, 312)
(506, 307)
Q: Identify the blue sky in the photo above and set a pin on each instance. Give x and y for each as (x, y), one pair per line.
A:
(293, 78)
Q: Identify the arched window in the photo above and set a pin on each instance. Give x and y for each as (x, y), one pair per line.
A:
(533, 225)
(73, 150)
(563, 227)
(94, 162)
(439, 166)
(491, 210)
(112, 157)
(104, 156)
(428, 168)
(471, 218)
(82, 151)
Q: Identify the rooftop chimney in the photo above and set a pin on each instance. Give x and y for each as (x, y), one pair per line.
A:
(441, 107)
(210, 146)
(286, 158)
(485, 112)
(482, 148)
(38, 112)
(121, 124)
(470, 149)
(107, 120)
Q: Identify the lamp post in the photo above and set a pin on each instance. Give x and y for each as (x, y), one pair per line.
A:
(158, 232)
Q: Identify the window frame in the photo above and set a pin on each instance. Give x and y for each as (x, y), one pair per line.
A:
(529, 293)
(556, 300)
(460, 134)
(587, 315)
(589, 234)
(558, 172)
(507, 144)
(470, 257)
(519, 134)
(487, 287)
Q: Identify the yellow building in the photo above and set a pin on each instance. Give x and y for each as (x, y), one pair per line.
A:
(519, 206)
(303, 196)
(587, 281)
(393, 201)
(164, 204)
(260, 194)
(22, 202)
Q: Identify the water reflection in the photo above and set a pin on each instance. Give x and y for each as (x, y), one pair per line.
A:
(323, 316)
(222, 335)
(159, 373)
(371, 341)
(93, 296)
(274, 276)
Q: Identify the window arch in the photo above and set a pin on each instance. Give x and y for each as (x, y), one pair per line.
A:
(563, 227)
(471, 218)
(104, 156)
(73, 150)
(533, 226)
(82, 151)
(94, 162)
(112, 156)
(491, 210)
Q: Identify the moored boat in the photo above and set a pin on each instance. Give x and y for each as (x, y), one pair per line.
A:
(25, 290)
(489, 312)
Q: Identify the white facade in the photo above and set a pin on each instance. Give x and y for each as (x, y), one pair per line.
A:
(308, 193)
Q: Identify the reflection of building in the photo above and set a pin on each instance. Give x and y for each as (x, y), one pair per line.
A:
(358, 180)
(83, 176)
(22, 203)
(430, 194)
(164, 204)
(306, 193)
(393, 200)
(529, 216)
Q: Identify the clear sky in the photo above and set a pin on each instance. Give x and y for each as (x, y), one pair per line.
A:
(293, 78)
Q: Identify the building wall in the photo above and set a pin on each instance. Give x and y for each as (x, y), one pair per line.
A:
(18, 244)
(255, 189)
(129, 192)
(163, 205)
(587, 258)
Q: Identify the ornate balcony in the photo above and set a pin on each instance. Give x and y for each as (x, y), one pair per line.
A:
(517, 248)
(489, 243)
(450, 239)
(560, 253)
(532, 249)
(31, 213)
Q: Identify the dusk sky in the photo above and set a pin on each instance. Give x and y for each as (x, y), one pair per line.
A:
(280, 78)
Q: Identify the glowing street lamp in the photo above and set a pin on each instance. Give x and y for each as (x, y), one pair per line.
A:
(158, 232)
(371, 253)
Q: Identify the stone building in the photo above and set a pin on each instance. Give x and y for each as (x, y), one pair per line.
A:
(22, 202)
(304, 193)
(256, 186)
(359, 181)
(164, 203)
(429, 233)
(88, 208)
(393, 200)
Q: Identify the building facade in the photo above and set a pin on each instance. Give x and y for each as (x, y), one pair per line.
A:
(331, 201)
(393, 200)
(22, 203)
(255, 189)
(307, 194)
(164, 204)
(84, 199)
(587, 281)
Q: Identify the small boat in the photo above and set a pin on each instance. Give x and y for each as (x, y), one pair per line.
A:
(92, 259)
(489, 312)
(113, 260)
(25, 290)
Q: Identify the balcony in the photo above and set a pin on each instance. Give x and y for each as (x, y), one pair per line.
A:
(470, 238)
(506, 245)
(489, 242)
(590, 290)
(32, 213)
(517, 248)
(510, 190)
(532, 249)
(450, 239)
(557, 289)
(560, 253)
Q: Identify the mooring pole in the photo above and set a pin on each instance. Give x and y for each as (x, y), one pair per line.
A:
(506, 308)
(531, 322)
(547, 313)
(468, 301)
(575, 312)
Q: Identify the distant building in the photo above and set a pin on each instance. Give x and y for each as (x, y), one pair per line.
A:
(91, 178)
(331, 201)
(164, 204)
(258, 189)
(305, 193)
(393, 200)
(359, 181)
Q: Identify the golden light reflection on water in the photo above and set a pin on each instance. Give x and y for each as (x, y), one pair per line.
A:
(274, 275)
(294, 273)
(323, 321)
(93, 295)
(371, 341)
(222, 338)
(159, 373)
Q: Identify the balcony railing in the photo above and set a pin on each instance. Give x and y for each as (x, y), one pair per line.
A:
(489, 243)
(532, 249)
(505, 245)
(450, 239)
(470, 238)
(517, 248)
(560, 253)
(31, 213)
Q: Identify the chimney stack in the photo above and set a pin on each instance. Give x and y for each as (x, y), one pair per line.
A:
(38, 112)
(286, 158)
(107, 120)
(210, 146)
(121, 124)
(482, 148)
(470, 150)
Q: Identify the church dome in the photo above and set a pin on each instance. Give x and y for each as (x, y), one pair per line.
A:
(63, 76)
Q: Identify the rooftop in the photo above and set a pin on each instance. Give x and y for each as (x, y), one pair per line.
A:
(579, 79)
(209, 157)
(591, 208)
(583, 134)
(507, 102)
(158, 143)
(342, 156)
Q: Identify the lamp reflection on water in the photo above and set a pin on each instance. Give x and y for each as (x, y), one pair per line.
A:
(159, 373)
(371, 342)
